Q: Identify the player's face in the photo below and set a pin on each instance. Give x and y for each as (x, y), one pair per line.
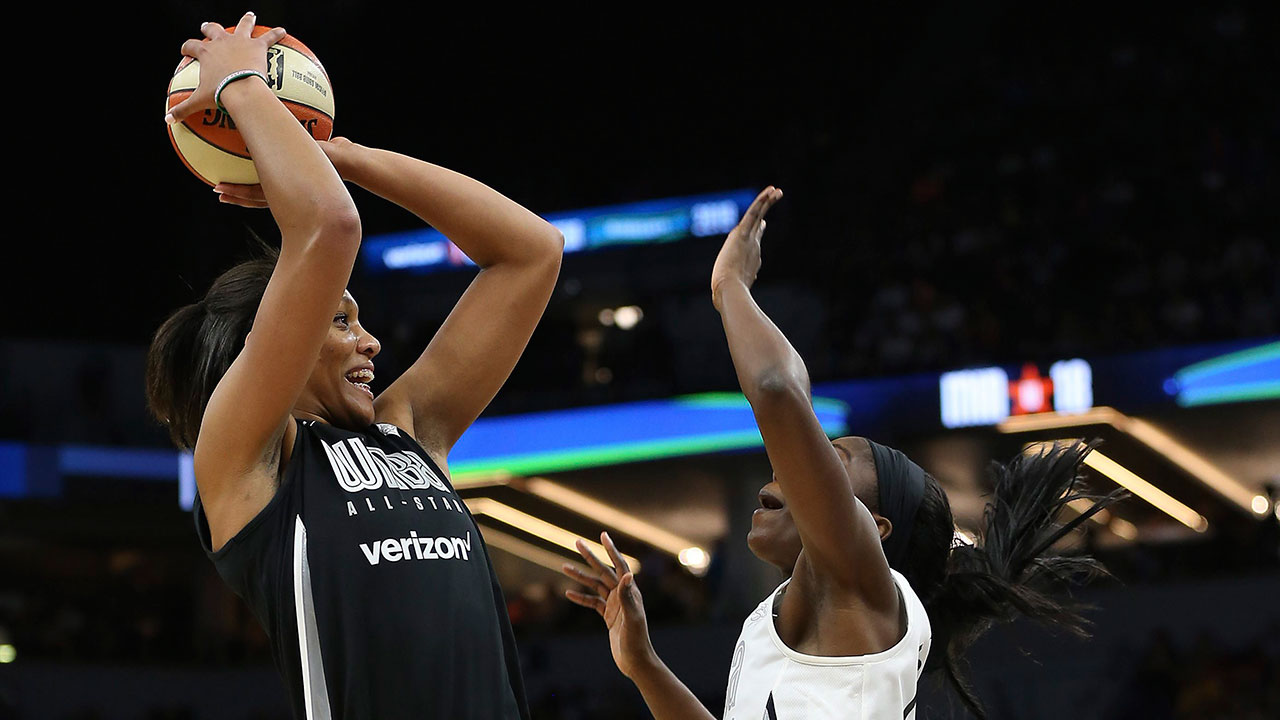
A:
(338, 389)
(773, 536)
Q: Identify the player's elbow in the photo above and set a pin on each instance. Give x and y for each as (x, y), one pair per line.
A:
(338, 228)
(544, 251)
(780, 385)
(549, 243)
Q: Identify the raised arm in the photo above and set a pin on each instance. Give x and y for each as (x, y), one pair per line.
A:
(841, 542)
(475, 350)
(247, 416)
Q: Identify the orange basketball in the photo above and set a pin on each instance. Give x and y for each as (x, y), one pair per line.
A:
(208, 142)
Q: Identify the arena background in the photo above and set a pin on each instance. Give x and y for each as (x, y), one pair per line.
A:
(985, 185)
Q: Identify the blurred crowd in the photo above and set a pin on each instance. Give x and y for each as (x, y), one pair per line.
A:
(1205, 681)
(1027, 203)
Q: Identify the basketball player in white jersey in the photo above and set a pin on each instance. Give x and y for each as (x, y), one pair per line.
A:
(865, 538)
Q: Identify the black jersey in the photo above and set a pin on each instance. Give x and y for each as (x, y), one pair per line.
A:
(372, 582)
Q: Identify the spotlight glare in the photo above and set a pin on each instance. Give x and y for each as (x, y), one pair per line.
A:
(627, 316)
(695, 558)
(1260, 504)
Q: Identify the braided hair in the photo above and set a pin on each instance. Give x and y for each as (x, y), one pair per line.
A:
(1008, 571)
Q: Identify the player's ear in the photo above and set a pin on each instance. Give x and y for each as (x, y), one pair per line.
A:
(883, 526)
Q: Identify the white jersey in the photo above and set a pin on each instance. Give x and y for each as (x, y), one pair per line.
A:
(770, 681)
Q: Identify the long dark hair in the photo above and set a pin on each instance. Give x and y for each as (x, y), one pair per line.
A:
(192, 350)
(1008, 571)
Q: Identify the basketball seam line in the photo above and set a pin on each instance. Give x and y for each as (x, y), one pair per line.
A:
(201, 138)
(247, 156)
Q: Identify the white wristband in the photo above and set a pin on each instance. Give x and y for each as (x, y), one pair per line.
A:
(237, 75)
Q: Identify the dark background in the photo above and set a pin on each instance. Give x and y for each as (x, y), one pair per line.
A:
(1008, 159)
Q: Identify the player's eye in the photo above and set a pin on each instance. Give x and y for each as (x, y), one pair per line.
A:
(341, 319)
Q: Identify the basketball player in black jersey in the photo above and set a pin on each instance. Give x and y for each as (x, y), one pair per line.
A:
(327, 508)
(877, 589)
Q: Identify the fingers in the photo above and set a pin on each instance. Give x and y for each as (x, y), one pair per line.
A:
(242, 202)
(211, 29)
(760, 206)
(586, 578)
(619, 562)
(273, 36)
(245, 26)
(179, 112)
(586, 601)
(607, 575)
(757, 208)
(192, 47)
(630, 595)
(249, 196)
(244, 192)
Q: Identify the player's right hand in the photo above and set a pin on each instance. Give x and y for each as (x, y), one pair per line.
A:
(220, 54)
(612, 593)
(739, 258)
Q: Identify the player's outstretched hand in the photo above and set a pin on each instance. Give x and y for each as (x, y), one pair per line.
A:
(220, 54)
(739, 258)
(612, 592)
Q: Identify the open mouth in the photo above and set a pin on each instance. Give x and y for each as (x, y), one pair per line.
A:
(361, 378)
(769, 502)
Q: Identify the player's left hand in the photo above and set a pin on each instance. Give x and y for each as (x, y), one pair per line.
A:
(612, 592)
(250, 196)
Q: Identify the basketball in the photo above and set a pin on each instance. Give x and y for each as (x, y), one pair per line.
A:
(208, 142)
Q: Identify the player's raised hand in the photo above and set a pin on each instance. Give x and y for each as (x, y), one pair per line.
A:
(220, 54)
(739, 258)
(612, 592)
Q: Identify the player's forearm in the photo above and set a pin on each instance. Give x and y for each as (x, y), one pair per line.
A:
(762, 356)
(305, 193)
(666, 696)
(487, 226)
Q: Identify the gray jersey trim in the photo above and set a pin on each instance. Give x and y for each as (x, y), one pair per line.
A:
(313, 686)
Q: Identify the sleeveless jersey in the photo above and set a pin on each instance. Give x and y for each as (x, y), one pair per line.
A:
(770, 681)
(374, 586)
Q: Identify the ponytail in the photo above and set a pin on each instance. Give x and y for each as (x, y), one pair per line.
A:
(966, 589)
(196, 345)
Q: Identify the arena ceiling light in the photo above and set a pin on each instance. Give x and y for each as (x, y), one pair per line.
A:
(690, 555)
(695, 558)
(540, 528)
(1130, 481)
(1104, 518)
(1117, 525)
(1123, 528)
(523, 549)
(1149, 435)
